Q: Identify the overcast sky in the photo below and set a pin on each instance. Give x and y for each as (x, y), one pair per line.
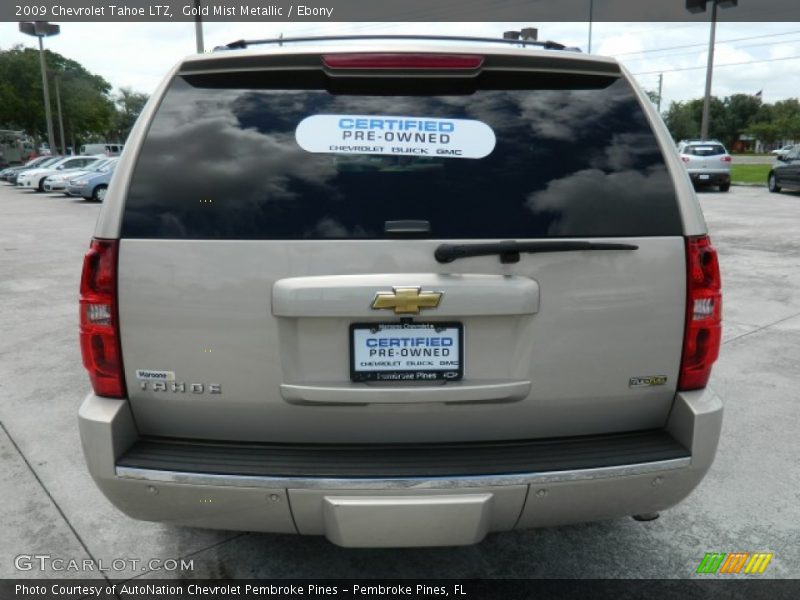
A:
(138, 54)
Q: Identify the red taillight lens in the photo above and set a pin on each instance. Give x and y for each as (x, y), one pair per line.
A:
(99, 324)
(703, 313)
(402, 61)
(685, 158)
(726, 158)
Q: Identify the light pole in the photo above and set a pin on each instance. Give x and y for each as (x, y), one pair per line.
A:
(697, 6)
(591, 11)
(42, 29)
(66, 73)
(660, 87)
(60, 120)
(198, 28)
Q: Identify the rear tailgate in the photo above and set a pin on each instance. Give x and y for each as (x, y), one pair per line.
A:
(706, 158)
(252, 247)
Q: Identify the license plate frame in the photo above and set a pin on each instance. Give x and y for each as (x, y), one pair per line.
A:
(403, 372)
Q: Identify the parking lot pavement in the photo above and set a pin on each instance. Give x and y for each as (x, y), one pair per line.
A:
(750, 501)
(23, 499)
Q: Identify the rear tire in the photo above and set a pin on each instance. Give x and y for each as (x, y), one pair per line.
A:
(724, 187)
(99, 193)
(772, 184)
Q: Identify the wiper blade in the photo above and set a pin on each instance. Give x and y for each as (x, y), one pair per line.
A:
(509, 251)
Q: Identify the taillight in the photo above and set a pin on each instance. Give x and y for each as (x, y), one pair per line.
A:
(685, 158)
(703, 331)
(726, 158)
(99, 323)
(402, 61)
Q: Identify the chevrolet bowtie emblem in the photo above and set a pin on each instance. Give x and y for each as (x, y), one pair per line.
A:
(406, 300)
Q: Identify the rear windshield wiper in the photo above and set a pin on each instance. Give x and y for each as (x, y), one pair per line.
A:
(509, 251)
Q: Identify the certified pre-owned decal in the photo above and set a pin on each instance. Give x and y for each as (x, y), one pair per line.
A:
(152, 375)
(647, 381)
(395, 135)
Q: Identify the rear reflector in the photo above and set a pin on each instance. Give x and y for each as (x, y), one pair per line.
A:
(402, 61)
(703, 331)
(99, 322)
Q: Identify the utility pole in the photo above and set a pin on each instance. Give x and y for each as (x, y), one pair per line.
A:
(198, 28)
(697, 6)
(660, 82)
(591, 11)
(709, 73)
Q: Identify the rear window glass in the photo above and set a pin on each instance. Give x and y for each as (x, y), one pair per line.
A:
(563, 160)
(705, 150)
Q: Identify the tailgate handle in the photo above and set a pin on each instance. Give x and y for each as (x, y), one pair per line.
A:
(509, 251)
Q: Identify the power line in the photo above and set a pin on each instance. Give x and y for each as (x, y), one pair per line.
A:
(736, 64)
(753, 37)
(695, 52)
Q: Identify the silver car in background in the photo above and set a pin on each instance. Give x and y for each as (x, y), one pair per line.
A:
(92, 185)
(707, 162)
(58, 182)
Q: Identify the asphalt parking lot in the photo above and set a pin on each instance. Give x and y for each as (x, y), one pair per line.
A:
(750, 501)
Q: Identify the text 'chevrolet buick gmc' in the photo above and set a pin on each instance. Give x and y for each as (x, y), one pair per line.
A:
(399, 292)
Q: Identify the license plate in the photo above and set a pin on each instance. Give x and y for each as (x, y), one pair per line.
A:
(703, 177)
(406, 351)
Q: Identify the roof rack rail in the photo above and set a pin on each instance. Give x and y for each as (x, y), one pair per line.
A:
(241, 44)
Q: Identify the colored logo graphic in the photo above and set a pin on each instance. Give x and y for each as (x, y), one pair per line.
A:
(735, 562)
(406, 300)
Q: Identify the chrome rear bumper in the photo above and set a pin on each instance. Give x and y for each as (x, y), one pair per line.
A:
(394, 510)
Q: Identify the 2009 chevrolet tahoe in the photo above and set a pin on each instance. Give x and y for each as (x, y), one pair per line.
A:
(399, 293)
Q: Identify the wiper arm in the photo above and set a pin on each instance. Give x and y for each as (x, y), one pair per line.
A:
(509, 251)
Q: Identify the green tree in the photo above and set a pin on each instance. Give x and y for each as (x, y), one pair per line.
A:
(21, 105)
(681, 122)
(766, 132)
(786, 117)
(728, 118)
(652, 95)
(128, 106)
(684, 119)
(739, 112)
(85, 97)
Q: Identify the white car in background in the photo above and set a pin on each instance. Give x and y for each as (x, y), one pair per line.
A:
(59, 181)
(707, 162)
(34, 179)
(783, 151)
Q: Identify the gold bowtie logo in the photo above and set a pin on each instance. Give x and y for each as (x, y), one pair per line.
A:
(406, 300)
